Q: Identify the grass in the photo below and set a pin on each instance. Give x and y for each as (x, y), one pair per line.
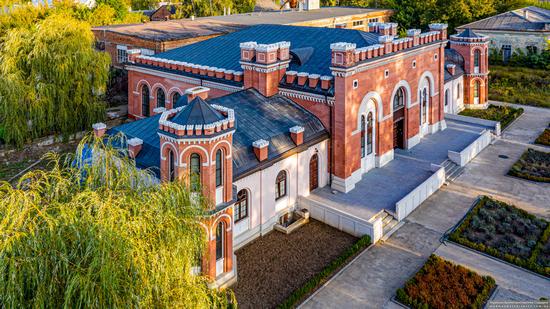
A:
(507, 233)
(532, 165)
(544, 138)
(442, 284)
(504, 114)
(520, 85)
(320, 278)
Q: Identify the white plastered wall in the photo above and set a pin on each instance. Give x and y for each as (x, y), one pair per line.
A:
(456, 104)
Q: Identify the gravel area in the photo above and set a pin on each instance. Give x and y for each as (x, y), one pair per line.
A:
(271, 267)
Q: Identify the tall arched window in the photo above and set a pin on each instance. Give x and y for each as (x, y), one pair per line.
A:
(424, 105)
(161, 98)
(241, 206)
(175, 98)
(370, 126)
(399, 99)
(219, 168)
(220, 240)
(280, 185)
(195, 172)
(145, 97)
(363, 131)
(477, 60)
(476, 89)
(171, 165)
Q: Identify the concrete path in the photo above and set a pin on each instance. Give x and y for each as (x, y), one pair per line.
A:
(515, 281)
(371, 280)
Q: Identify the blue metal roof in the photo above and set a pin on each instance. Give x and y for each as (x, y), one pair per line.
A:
(224, 51)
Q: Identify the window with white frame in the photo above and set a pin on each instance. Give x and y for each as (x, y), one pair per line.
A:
(122, 53)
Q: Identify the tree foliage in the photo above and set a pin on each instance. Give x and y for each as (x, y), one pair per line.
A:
(200, 8)
(52, 79)
(100, 236)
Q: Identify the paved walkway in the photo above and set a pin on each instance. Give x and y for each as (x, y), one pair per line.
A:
(409, 169)
(371, 280)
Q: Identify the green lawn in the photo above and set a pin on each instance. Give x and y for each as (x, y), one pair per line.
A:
(520, 85)
(504, 114)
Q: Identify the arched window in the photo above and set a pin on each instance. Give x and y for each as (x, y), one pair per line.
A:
(477, 60)
(476, 89)
(145, 96)
(161, 98)
(399, 99)
(220, 240)
(370, 126)
(175, 98)
(280, 183)
(424, 105)
(241, 206)
(171, 165)
(195, 172)
(447, 97)
(219, 168)
(363, 131)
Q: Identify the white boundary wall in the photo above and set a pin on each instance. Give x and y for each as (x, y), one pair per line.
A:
(494, 125)
(467, 154)
(343, 221)
(412, 200)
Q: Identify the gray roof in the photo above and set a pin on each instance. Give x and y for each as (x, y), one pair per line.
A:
(525, 19)
(313, 44)
(197, 112)
(256, 117)
(453, 57)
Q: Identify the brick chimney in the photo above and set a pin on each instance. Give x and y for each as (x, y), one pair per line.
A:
(261, 149)
(134, 147)
(133, 54)
(194, 92)
(451, 68)
(297, 135)
(99, 129)
(343, 54)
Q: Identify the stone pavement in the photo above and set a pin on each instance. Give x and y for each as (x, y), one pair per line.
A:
(371, 280)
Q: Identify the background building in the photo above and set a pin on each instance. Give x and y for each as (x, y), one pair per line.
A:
(527, 29)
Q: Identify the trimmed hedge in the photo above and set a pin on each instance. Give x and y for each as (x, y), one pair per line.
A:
(504, 114)
(544, 138)
(529, 263)
(440, 283)
(533, 165)
(320, 278)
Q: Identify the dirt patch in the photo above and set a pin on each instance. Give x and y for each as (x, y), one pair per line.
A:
(273, 266)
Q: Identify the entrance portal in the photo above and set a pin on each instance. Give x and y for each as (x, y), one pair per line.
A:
(314, 172)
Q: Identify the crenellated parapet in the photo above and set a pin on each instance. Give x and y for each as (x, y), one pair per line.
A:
(194, 130)
(134, 56)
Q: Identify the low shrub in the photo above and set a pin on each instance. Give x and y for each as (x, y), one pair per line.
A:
(320, 278)
(528, 249)
(532, 165)
(544, 138)
(504, 114)
(441, 283)
(520, 85)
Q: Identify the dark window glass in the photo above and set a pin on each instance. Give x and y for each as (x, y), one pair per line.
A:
(195, 172)
(424, 105)
(175, 97)
(477, 58)
(370, 126)
(241, 206)
(399, 99)
(145, 100)
(171, 165)
(363, 129)
(280, 189)
(161, 98)
(219, 168)
(219, 240)
(476, 89)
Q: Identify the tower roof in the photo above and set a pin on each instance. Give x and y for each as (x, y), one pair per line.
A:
(197, 112)
(469, 33)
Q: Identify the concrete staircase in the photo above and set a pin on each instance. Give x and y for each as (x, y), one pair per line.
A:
(388, 224)
(452, 170)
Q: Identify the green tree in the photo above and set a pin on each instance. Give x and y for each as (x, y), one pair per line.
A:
(101, 236)
(52, 79)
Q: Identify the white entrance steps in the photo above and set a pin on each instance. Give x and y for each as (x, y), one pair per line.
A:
(452, 170)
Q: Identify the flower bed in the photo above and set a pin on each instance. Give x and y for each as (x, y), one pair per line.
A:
(544, 138)
(508, 233)
(442, 284)
(504, 114)
(532, 165)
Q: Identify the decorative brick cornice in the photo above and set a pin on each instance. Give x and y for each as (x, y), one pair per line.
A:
(197, 129)
(317, 98)
(265, 68)
(195, 140)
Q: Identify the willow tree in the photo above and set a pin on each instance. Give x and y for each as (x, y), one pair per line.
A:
(52, 79)
(100, 235)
